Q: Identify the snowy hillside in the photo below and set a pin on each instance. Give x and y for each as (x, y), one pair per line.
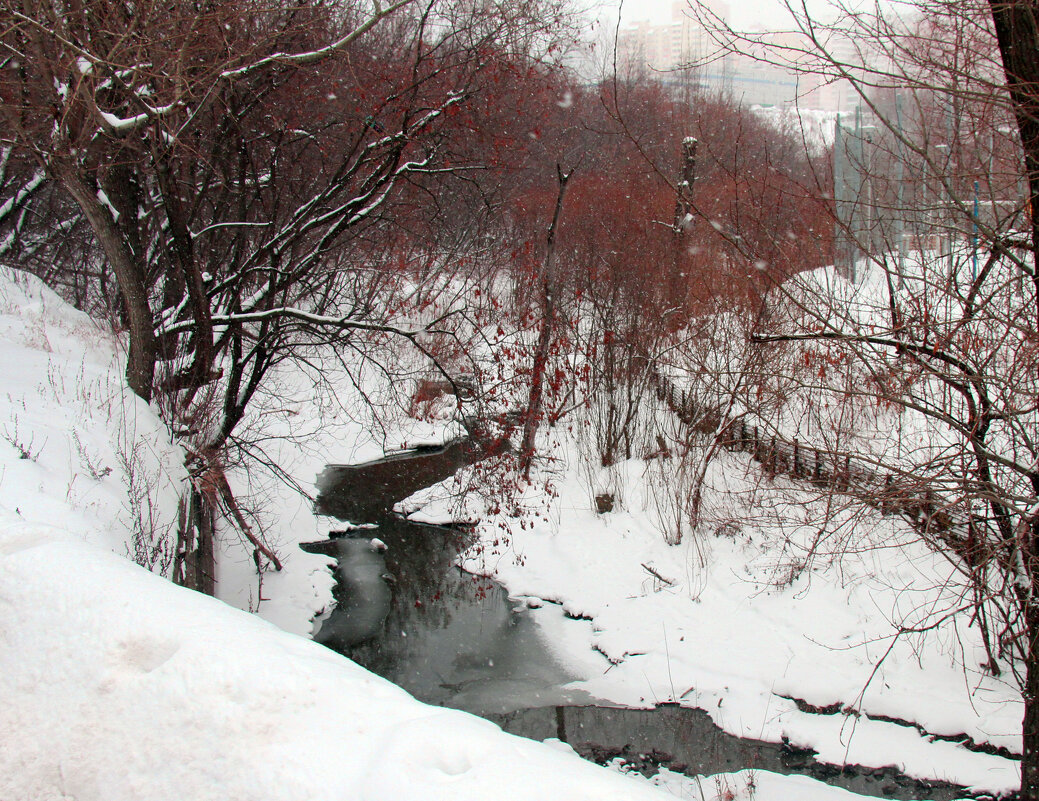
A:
(119, 685)
(814, 127)
(738, 622)
(78, 449)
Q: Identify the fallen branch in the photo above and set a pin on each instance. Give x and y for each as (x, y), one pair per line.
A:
(657, 576)
(227, 496)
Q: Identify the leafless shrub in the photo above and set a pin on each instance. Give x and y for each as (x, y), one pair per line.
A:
(151, 539)
(27, 448)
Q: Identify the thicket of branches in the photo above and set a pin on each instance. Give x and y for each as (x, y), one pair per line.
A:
(935, 331)
(234, 186)
(236, 183)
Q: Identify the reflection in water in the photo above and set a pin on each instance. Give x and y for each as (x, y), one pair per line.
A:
(362, 592)
(361, 492)
(408, 614)
(453, 639)
(446, 636)
(686, 740)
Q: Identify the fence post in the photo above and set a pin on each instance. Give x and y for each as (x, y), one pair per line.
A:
(846, 475)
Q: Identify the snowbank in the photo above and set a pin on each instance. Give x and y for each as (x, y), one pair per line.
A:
(739, 622)
(119, 685)
(77, 448)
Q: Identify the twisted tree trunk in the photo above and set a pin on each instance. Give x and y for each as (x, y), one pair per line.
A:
(535, 403)
(131, 277)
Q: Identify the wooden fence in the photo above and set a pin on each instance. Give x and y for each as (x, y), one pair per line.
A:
(838, 471)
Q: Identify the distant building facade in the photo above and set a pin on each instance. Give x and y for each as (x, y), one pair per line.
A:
(685, 50)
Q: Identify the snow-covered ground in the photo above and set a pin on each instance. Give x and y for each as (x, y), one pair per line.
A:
(767, 615)
(744, 624)
(118, 685)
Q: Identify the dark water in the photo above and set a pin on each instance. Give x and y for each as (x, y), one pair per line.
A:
(687, 741)
(406, 612)
(366, 492)
(446, 636)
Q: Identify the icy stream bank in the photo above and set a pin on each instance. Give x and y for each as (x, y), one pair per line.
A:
(457, 640)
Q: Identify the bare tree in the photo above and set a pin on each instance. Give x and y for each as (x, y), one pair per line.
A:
(251, 174)
(936, 197)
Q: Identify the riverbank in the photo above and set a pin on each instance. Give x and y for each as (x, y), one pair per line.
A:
(118, 685)
(739, 621)
(124, 686)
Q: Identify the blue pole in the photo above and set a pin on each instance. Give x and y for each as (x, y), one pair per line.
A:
(974, 239)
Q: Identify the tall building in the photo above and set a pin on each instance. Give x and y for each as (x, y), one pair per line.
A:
(683, 44)
(688, 48)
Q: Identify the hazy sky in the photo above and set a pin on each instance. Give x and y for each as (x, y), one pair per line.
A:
(746, 14)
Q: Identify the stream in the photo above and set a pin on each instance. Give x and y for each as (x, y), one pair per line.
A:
(447, 637)
(404, 611)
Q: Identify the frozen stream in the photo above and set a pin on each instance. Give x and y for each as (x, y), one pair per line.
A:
(405, 611)
(447, 637)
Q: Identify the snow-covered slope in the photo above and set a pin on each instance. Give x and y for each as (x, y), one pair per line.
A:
(741, 621)
(119, 685)
(813, 126)
(77, 448)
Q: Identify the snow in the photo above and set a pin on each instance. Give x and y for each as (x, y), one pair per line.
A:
(126, 124)
(77, 448)
(119, 685)
(747, 785)
(816, 128)
(744, 627)
(15, 200)
(107, 203)
(118, 123)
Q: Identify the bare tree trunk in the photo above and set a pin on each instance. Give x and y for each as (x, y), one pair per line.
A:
(140, 362)
(678, 281)
(532, 417)
(1030, 724)
(199, 372)
(1017, 32)
(195, 563)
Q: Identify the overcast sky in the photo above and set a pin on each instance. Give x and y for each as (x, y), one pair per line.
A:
(746, 14)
